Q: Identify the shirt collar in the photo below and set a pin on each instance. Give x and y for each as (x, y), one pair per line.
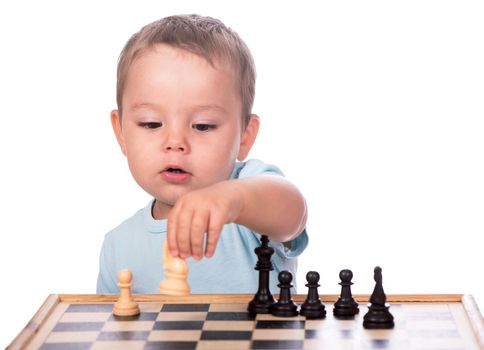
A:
(153, 225)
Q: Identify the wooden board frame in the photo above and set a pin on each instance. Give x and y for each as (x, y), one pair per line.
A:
(41, 316)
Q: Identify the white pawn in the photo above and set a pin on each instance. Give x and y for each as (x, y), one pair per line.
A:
(176, 272)
(125, 306)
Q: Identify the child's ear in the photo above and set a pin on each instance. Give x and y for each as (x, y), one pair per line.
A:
(248, 137)
(116, 123)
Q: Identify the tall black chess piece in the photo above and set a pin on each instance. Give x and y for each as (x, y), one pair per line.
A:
(312, 307)
(285, 306)
(378, 315)
(345, 306)
(263, 299)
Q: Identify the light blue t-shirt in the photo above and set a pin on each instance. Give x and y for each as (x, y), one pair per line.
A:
(137, 245)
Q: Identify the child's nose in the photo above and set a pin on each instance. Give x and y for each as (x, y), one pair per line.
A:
(175, 147)
(175, 142)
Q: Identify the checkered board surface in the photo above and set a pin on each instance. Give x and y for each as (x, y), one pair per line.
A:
(227, 325)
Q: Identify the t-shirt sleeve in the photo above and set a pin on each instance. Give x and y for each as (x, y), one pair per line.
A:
(106, 281)
(254, 167)
(293, 248)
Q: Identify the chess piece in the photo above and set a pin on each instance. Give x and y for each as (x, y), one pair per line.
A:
(176, 272)
(378, 315)
(125, 306)
(263, 299)
(312, 306)
(284, 307)
(345, 306)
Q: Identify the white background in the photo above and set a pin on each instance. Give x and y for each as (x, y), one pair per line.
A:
(374, 109)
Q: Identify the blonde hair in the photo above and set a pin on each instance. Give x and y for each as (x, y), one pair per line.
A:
(203, 36)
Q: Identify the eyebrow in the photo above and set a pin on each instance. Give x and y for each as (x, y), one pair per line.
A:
(209, 107)
(154, 106)
(141, 105)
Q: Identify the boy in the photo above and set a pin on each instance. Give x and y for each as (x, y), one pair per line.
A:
(185, 88)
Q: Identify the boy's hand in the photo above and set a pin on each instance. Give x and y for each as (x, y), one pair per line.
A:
(200, 212)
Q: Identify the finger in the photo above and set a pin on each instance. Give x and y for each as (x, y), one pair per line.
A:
(213, 234)
(171, 229)
(183, 226)
(198, 229)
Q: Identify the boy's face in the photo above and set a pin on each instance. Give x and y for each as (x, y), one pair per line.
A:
(181, 127)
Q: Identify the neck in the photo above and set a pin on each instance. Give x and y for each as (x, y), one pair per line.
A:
(160, 211)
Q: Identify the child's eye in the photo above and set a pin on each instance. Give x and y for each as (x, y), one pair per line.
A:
(204, 127)
(150, 125)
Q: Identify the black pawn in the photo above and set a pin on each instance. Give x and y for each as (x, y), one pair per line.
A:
(312, 306)
(345, 306)
(263, 299)
(284, 307)
(378, 315)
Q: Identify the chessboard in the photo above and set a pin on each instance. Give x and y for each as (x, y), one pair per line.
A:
(222, 322)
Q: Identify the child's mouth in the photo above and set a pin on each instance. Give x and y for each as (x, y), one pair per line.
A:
(175, 175)
(176, 170)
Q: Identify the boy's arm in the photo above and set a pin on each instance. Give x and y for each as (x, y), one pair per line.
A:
(267, 204)
(272, 206)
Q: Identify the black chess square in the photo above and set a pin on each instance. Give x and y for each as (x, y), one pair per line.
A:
(280, 324)
(124, 335)
(90, 308)
(178, 325)
(170, 345)
(277, 344)
(78, 326)
(230, 316)
(185, 307)
(226, 335)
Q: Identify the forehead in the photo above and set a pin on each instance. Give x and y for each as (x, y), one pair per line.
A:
(176, 75)
(213, 60)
